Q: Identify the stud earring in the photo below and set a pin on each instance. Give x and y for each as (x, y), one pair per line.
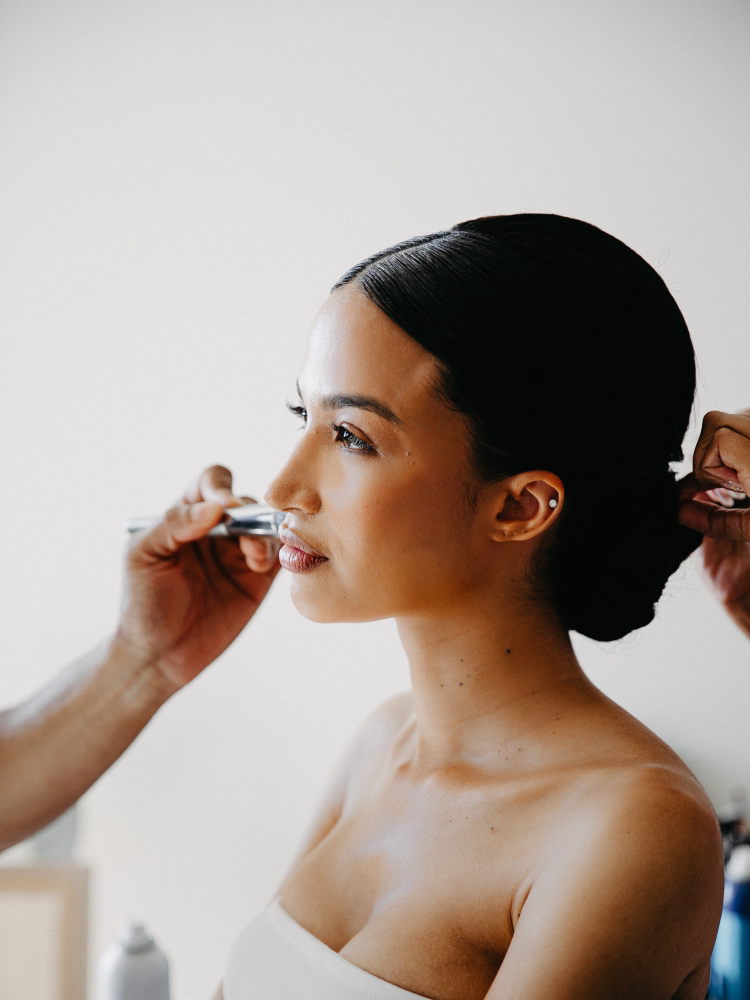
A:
(553, 503)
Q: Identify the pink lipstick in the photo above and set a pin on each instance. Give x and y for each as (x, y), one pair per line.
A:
(297, 556)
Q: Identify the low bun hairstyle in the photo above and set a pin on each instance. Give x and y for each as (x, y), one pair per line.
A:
(567, 352)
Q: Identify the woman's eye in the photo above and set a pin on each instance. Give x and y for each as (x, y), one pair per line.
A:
(351, 441)
(345, 437)
(299, 411)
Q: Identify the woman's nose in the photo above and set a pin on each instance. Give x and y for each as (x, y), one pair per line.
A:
(293, 487)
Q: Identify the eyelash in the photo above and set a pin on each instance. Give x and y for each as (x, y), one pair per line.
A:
(350, 441)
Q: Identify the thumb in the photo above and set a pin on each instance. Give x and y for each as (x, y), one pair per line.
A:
(715, 520)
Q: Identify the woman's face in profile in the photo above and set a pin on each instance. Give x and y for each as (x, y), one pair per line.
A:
(380, 483)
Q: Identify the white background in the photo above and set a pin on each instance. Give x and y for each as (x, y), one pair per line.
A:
(180, 184)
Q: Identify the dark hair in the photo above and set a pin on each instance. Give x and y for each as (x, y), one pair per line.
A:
(567, 352)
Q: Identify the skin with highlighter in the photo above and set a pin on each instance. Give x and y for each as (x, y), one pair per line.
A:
(504, 809)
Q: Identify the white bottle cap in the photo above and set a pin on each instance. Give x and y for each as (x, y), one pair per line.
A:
(134, 938)
(738, 867)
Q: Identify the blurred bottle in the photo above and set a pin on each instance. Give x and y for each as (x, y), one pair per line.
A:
(730, 962)
(733, 822)
(133, 967)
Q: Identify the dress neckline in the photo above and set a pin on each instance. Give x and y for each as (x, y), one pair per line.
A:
(314, 948)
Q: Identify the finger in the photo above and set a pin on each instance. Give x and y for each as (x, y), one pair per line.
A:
(691, 489)
(215, 484)
(727, 459)
(260, 553)
(722, 454)
(688, 487)
(715, 521)
(714, 420)
(180, 525)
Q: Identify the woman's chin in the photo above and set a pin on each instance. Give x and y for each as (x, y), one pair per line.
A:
(318, 603)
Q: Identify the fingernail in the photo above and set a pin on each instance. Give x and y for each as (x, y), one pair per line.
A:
(731, 484)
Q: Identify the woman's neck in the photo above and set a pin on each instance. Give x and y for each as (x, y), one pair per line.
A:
(486, 674)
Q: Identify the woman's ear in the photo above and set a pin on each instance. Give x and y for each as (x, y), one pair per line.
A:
(526, 505)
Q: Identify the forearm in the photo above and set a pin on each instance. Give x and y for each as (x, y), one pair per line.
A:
(55, 745)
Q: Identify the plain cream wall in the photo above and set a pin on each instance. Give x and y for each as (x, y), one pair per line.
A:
(180, 185)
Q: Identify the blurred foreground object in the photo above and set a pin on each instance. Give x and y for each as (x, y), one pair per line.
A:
(732, 817)
(43, 920)
(730, 962)
(133, 967)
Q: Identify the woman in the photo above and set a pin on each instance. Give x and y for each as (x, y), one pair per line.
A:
(489, 416)
(505, 830)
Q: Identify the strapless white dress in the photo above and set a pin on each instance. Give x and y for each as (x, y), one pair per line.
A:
(277, 959)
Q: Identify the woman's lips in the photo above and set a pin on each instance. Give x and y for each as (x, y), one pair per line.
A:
(298, 556)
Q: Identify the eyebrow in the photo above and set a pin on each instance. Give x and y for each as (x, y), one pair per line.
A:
(341, 401)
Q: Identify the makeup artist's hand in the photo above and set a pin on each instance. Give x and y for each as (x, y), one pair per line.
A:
(187, 597)
(714, 502)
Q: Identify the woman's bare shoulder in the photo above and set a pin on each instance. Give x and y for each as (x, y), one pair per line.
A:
(627, 892)
(614, 747)
(625, 785)
(654, 799)
(627, 899)
(651, 818)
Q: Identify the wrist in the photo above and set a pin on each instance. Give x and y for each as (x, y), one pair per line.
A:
(144, 684)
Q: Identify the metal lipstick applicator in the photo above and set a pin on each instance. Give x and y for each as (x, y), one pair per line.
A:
(251, 519)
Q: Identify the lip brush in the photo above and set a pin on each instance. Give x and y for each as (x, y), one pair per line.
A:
(251, 519)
